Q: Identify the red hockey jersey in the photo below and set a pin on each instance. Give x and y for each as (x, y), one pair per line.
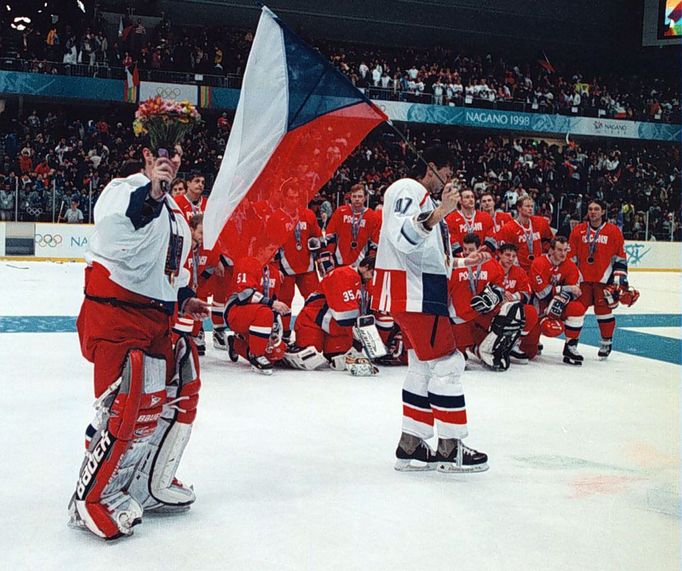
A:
(468, 282)
(546, 278)
(190, 208)
(295, 257)
(516, 281)
(341, 291)
(353, 233)
(251, 277)
(480, 224)
(500, 219)
(537, 235)
(599, 254)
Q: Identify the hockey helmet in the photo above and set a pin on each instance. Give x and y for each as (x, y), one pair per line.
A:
(551, 326)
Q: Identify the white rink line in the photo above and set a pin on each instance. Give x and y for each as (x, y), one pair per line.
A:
(671, 332)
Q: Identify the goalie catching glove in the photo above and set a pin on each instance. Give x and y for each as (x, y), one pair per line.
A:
(488, 299)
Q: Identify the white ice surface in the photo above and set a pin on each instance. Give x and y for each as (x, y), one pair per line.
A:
(672, 332)
(296, 471)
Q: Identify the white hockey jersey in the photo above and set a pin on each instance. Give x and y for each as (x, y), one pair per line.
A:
(140, 254)
(413, 264)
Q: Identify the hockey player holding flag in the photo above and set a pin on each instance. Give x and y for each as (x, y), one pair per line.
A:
(146, 393)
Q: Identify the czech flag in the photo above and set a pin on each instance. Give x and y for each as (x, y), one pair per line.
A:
(297, 120)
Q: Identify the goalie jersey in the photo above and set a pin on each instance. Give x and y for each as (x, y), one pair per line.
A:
(412, 264)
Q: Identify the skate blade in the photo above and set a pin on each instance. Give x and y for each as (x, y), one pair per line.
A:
(266, 372)
(451, 468)
(166, 511)
(572, 362)
(413, 466)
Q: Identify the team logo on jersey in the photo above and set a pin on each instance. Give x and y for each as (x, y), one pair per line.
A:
(464, 276)
(600, 239)
(347, 219)
(475, 227)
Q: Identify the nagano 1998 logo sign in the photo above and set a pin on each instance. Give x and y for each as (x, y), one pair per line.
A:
(636, 253)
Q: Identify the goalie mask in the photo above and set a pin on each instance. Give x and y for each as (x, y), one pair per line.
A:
(324, 264)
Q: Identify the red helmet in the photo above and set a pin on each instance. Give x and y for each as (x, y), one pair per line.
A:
(551, 326)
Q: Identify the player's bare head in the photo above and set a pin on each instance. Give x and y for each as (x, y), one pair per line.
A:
(470, 243)
(195, 185)
(439, 169)
(596, 210)
(558, 249)
(366, 268)
(508, 254)
(290, 192)
(196, 225)
(357, 196)
(467, 199)
(525, 206)
(487, 202)
(178, 187)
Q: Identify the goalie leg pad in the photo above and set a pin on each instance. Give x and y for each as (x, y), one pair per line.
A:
(154, 485)
(129, 413)
(366, 332)
(306, 359)
(505, 329)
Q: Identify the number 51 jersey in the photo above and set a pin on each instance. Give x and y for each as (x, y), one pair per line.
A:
(412, 264)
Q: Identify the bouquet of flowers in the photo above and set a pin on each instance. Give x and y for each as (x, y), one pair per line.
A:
(165, 121)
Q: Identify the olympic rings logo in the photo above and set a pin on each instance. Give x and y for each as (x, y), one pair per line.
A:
(48, 240)
(168, 92)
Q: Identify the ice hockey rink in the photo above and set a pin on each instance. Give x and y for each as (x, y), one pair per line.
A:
(295, 471)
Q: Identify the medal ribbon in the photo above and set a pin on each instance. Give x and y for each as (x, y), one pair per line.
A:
(355, 225)
(528, 234)
(469, 223)
(266, 281)
(297, 235)
(592, 239)
(473, 280)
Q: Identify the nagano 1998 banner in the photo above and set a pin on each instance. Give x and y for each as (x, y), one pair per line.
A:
(62, 240)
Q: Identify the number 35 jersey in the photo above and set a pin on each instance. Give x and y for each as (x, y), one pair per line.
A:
(413, 263)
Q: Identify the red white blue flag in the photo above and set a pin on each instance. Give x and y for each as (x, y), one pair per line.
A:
(297, 120)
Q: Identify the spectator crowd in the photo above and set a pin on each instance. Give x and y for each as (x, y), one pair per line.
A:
(436, 75)
(55, 163)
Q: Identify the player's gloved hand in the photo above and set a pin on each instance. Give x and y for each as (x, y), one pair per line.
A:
(612, 296)
(280, 307)
(196, 308)
(488, 299)
(558, 304)
(480, 256)
(621, 281)
(314, 244)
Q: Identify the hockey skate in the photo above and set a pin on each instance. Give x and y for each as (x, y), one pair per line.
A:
(231, 351)
(571, 355)
(260, 364)
(517, 355)
(179, 489)
(420, 459)
(605, 349)
(200, 342)
(454, 457)
(219, 339)
(125, 512)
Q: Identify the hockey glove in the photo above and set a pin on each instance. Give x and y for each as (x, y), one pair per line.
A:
(558, 304)
(488, 299)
